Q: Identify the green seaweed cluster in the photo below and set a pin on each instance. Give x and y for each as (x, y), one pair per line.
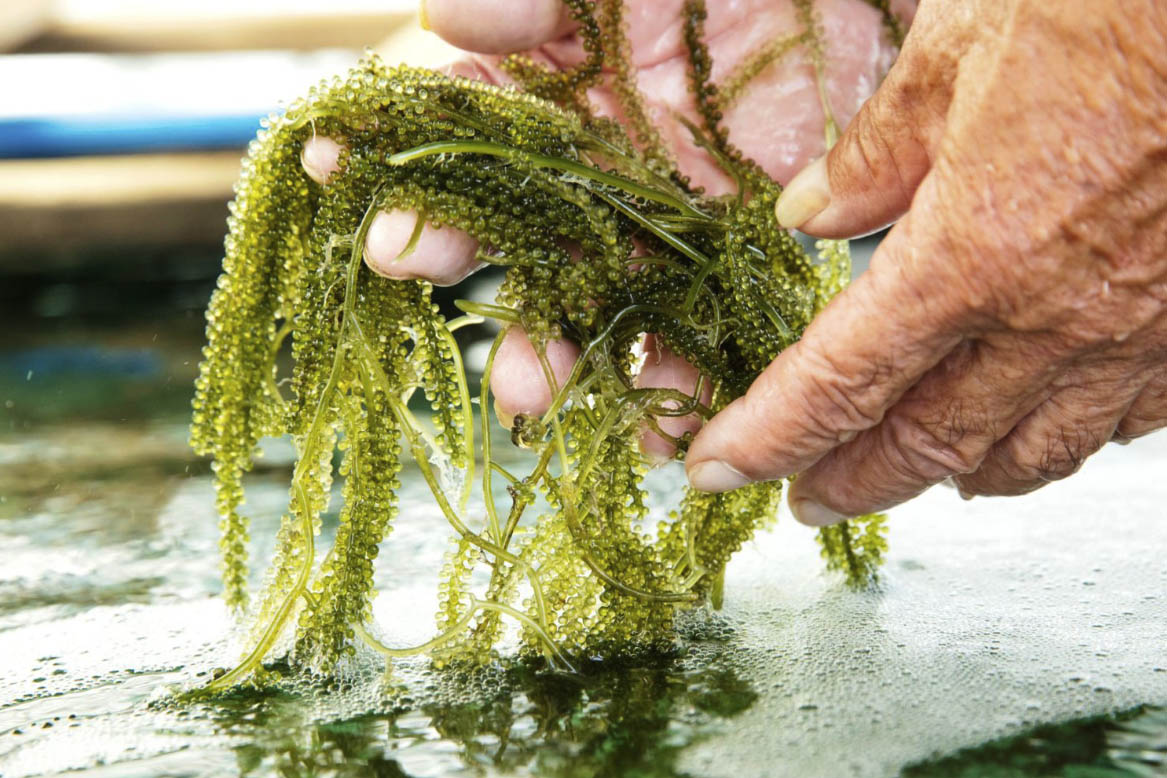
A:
(603, 240)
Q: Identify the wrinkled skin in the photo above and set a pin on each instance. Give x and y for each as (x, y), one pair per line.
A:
(778, 121)
(1014, 320)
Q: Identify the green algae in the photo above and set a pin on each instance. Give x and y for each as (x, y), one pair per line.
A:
(1129, 744)
(603, 241)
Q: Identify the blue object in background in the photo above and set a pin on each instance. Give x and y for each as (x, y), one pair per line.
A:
(33, 363)
(68, 136)
(73, 104)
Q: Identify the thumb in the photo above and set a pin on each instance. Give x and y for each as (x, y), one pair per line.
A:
(496, 26)
(853, 363)
(868, 179)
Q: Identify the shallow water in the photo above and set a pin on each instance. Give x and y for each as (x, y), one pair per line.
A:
(994, 618)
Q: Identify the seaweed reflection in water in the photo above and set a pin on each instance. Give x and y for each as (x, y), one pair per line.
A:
(629, 721)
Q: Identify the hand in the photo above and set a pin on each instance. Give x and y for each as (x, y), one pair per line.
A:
(778, 121)
(1014, 320)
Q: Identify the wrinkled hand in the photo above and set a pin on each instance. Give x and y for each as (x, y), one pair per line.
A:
(1014, 320)
(778, 121)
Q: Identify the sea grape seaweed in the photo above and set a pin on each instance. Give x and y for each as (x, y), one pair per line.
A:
(603, 240)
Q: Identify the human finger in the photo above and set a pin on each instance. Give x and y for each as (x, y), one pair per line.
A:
(320, 157)
(1147, 413)
(518, 381)
(443, 256)
(1052, 442)
(853, 363)
(945, 425)
(664, 369)
(496, 26)
(867, 180)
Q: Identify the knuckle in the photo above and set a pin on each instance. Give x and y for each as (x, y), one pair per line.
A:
(850, 501)
(993, 480)
(844, 400)
(1147, 413)
(934, 449)
(1133, 426)
(871, 150)
(1055, 457)
(973, 484)
(1065, 453)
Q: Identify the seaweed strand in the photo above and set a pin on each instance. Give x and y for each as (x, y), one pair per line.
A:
(602, 240)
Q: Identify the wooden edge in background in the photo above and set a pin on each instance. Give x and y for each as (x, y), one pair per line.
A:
(203, 33)
(21, 21)
(133, 200)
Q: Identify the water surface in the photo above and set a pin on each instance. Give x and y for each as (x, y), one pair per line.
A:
(995, 623)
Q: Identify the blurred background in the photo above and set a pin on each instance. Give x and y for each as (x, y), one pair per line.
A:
(122, 123)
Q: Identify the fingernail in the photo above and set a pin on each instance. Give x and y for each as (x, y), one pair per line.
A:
(507, 420)
(655, 458)
(312, 166)
(655, 449)
(807, 194)
(814, 514)
(716, 476)
(319, 158)
(423, 18)
(963, 494)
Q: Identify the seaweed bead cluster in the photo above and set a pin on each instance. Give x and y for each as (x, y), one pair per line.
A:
(603, 241)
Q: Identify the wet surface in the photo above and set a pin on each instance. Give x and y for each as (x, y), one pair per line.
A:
(994, 619)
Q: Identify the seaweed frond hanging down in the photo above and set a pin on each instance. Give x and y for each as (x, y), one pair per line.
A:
(603, 242)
